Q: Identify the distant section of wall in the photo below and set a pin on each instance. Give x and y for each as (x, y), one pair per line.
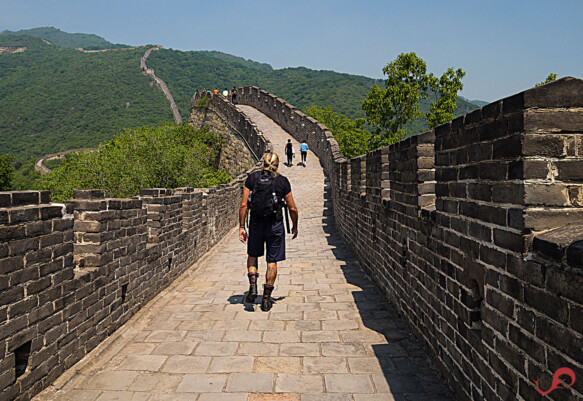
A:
(243, 145)
(161, 84)
(39, 166)
(474, 231)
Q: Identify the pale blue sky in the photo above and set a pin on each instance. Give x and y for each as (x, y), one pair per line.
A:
(504, 46)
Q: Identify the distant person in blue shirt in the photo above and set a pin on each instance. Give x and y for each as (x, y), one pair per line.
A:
(304, 151)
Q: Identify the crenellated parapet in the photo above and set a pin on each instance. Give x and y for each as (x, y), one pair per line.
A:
(474, 231)
(72, 273)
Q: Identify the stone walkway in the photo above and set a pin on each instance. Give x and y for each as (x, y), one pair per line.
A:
(330, 336)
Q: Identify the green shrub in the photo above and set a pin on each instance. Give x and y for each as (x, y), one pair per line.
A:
(6, 173)
(168, 156)
(203, 103)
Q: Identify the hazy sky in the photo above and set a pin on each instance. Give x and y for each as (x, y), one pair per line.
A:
(504, 46)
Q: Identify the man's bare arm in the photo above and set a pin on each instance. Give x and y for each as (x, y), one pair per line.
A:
(293, 212)
(242, 213)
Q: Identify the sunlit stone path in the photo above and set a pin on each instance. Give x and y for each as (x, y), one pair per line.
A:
(330, 336)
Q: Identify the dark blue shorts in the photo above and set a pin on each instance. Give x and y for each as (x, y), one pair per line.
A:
(270, 233)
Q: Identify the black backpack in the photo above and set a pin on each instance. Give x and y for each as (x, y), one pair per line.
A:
(265, 204)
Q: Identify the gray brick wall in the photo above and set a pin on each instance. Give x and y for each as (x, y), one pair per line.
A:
(474, 231)
(71, 274)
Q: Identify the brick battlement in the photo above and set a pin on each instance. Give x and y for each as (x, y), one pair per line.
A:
(71, 274)
(474, 232)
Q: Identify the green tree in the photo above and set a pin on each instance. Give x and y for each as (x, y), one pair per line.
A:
(407, 83)
(6, 173)
(390, 108)
(552, 77)
(352, 138)
(445, 90)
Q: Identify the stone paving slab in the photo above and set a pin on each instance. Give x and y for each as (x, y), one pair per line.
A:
(331, 335)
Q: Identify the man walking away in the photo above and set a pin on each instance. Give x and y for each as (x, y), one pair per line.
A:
(263, 194)
(304, 152)
(289, 151)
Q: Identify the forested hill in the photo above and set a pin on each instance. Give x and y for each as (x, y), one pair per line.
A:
(69, 40)
(55, 98)
(185, 72)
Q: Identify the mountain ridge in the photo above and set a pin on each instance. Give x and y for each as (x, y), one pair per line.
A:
(56, 98)
(87, 41)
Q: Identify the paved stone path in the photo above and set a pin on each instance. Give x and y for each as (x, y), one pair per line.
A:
(330, 336)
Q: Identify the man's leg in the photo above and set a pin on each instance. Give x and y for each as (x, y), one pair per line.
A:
(266, 302)
(251, 264)
(252, 276)
(271, 273)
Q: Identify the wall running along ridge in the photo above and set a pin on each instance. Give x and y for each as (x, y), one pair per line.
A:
(475, 232)
(72, 273)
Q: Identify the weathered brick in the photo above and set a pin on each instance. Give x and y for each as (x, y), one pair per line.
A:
(509, 147)
(570, 170)
(560, 120)
(565, 284)
(20, 215)
(511, 354)
(20, 198)
(546, 195)
(575, 254)
(89, 194)
(564, 92)
(550, 145)
(557, 336)
(527, 344)
(23, 275)
(51, 212)
(509, 240)
(500, 302)
(546, 303)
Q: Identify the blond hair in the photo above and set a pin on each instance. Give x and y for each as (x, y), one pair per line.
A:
(271, 162)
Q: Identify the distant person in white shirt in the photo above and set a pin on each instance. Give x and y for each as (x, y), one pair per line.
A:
(225, 93)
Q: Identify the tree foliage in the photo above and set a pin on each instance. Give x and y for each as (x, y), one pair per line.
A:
(168, 156)
(391, 108)
(351, 136)
(552, 77)
(445, 90)
(6, 173)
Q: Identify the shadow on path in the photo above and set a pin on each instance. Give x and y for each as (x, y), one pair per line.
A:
(407, 368)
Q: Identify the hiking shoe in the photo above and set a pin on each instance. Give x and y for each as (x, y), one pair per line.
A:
(252, 293)
(266, 301)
